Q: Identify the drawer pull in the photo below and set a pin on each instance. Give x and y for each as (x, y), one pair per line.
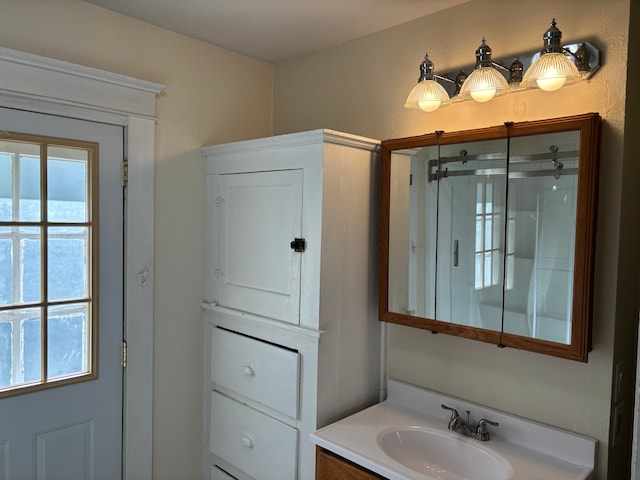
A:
(246, 441)
(249, 370)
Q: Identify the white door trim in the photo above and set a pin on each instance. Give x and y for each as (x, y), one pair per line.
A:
(45, 85)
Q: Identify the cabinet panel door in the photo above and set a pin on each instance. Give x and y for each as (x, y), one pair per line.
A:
(332, 467)
(260, 215)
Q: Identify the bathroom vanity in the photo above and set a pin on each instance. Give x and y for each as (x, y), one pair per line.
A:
(292, 337)
(406, 438)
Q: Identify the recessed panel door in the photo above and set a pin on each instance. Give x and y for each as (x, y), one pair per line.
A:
(258, 268)
(60, 358)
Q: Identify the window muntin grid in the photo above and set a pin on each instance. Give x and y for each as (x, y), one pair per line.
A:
(48, 267)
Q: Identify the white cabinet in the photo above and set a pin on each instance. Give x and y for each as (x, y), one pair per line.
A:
(260, 213)
(292, 338)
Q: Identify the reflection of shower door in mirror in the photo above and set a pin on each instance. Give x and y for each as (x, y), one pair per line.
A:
(543, 187)
(471, 211)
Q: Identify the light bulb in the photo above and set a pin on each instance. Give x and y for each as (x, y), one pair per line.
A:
(551, 81)
(483, 95)
(429, 105)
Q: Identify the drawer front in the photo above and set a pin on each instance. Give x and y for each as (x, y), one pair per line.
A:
(257, 444)
(261, 371)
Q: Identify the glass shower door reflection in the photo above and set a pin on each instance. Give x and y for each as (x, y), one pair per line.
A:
(543, 187)
(471, 216)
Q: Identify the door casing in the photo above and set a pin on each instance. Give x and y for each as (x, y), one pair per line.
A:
(44, 85)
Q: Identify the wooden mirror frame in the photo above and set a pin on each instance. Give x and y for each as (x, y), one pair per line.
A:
(584, 248)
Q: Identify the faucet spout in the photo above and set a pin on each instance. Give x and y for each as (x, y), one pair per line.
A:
(459, 425)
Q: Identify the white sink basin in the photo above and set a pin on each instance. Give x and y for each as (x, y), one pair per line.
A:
(443, 455)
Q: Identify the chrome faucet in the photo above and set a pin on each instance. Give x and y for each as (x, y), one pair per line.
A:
(457, 424)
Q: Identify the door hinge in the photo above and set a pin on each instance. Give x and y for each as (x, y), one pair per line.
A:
(125, 173)
(124, 354)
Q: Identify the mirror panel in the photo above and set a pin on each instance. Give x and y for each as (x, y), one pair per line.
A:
(543, 187)
(471, 184)
(413, 233)
(489, 234)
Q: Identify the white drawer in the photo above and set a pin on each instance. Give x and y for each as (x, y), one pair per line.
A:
(262, 447)
(261, 371)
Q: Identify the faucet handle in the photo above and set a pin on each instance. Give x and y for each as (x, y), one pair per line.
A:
(455, 420)
(454, 412)
(482, 432)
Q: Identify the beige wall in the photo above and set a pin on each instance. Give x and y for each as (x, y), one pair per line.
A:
(360, 87)
(212, 96)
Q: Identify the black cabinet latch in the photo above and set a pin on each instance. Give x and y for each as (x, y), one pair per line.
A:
(299, 245)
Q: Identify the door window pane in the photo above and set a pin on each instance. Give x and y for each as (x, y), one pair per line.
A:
(67, 172)
(29, 188)
(19, 181)
(30, 330)
(20, 335)
(68, 340)
(68, 262)
(6, 334)
(6, 181)
(6, 271)
(30, 264)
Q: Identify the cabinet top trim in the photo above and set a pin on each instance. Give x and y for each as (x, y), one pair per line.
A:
(322, 135)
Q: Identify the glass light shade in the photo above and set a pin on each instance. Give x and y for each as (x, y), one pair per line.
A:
(551, 72)
(427, 95)
(483, 84)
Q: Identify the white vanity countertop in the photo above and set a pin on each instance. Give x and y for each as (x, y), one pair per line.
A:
(533, 450)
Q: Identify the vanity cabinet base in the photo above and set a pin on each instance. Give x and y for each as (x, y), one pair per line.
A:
(330, 466)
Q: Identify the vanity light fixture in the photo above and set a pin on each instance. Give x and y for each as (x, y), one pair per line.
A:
(428, 94)
(553, 69)
(485, 82)
(550, 69)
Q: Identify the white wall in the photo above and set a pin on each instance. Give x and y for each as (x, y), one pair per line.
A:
(212, 96)
(361, 86)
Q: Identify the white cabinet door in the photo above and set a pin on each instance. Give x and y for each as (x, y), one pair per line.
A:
(260, 214)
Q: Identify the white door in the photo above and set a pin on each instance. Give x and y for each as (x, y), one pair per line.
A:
(258, 269)
(74, 430)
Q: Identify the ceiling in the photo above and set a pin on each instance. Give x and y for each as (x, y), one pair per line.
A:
(276, 30)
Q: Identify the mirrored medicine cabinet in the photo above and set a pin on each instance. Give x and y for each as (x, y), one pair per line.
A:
(489, 234)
